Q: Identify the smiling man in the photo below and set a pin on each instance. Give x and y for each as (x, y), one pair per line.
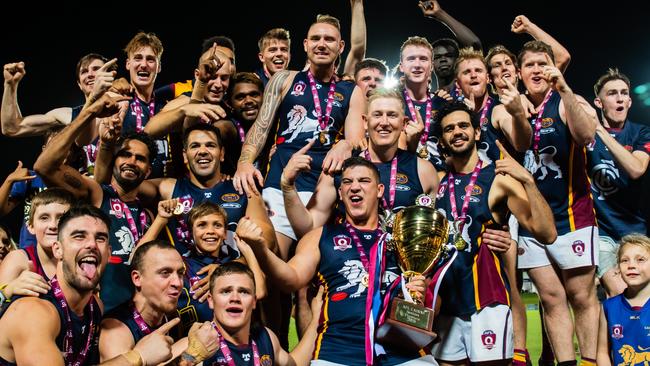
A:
(131, 165)
(157, 275)
(275, 53)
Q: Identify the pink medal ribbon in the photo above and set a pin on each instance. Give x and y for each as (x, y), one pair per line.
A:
(468, 194)
(427, 116)
(240, 130)
(323, 121)
(372, 312)
(226, 351)
(393, 182)
(538, 123)
(137, 108)
(68, 340)
(485, 109)
(137, 317)
(129, 219)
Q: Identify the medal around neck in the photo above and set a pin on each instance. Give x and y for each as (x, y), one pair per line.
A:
(419, 237)
(179, 209)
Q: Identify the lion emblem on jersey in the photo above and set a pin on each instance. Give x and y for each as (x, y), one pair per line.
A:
(125, 238)
(354, 272)
(301, 122)
(632, 357)
(545, 163)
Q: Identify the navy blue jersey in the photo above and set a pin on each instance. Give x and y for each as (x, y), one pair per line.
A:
(32, 254)
(80, 329)
(408, 186)
(628, 330)
(435, 156)
(487, 147)
(124, 313)
(162, 159)
(341, 334)
(116, 285)
(616, 195)
(462, 289)
(242, 355)
(25, 191)
(298, 124)
(561, 173)
(223, 194)
(190, 310)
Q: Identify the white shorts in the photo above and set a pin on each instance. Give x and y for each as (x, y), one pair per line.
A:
(572, 250)
(275, 204)
(427, 360)
(483, 336)
(513, 227)
(607, 255)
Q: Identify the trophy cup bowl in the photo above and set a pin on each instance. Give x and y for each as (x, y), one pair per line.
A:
(419, 239)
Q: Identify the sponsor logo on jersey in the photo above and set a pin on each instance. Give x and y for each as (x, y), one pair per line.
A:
(401, 178)
(578, 248)
(230, 197)
(617, 331)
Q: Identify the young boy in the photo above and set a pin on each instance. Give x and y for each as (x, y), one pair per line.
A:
(624, 335)
(28, 271)
(208, 223)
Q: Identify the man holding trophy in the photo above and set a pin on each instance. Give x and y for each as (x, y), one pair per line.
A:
(350, 257)
(475, 322)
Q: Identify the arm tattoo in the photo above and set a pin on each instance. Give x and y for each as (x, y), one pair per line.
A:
(72, 180)
(256, 136)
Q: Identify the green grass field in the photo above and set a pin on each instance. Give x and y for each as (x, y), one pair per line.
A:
(533, 336)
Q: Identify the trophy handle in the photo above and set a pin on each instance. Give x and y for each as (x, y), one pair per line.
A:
(414, 294)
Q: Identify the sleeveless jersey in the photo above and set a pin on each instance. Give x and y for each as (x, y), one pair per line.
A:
(487, 147)
(561, 173)
(223, 194)
(407, 187)
(435, 156)
(162, 158)
(124, 313)
(298, 124)
(190, 310)
(476, 278)
(262, 75)
(32, 254)
(243, 355)
(116, 285)
(616, 195)
(341, 334)
(628, 330)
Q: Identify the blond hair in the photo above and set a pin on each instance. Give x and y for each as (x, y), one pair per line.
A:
(639, 240)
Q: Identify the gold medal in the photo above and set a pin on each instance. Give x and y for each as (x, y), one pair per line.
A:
(364, 280)
(179, 209)
(459, 242)
(423, 153)
(322, 137)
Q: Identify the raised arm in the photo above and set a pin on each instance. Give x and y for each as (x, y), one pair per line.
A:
(510, 118)
(357, 37)
(12, 121)
(524, 200)
(20, 174)
(50, 164)
(522, 24)
(246, 174)
(465, 37)
(299, 270)
(580, 117)
(249, 234)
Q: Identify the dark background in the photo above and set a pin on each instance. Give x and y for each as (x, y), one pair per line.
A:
(51, 38)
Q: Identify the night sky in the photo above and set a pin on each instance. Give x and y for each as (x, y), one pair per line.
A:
(51, 38)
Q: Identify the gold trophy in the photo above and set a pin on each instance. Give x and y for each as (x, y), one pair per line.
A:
(419, 239)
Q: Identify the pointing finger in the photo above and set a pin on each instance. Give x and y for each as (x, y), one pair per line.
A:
(502, 149)
(168, 326)
(108, 65)
(307, 147)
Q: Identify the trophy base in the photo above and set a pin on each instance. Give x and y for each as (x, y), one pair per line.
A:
(408, 327)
